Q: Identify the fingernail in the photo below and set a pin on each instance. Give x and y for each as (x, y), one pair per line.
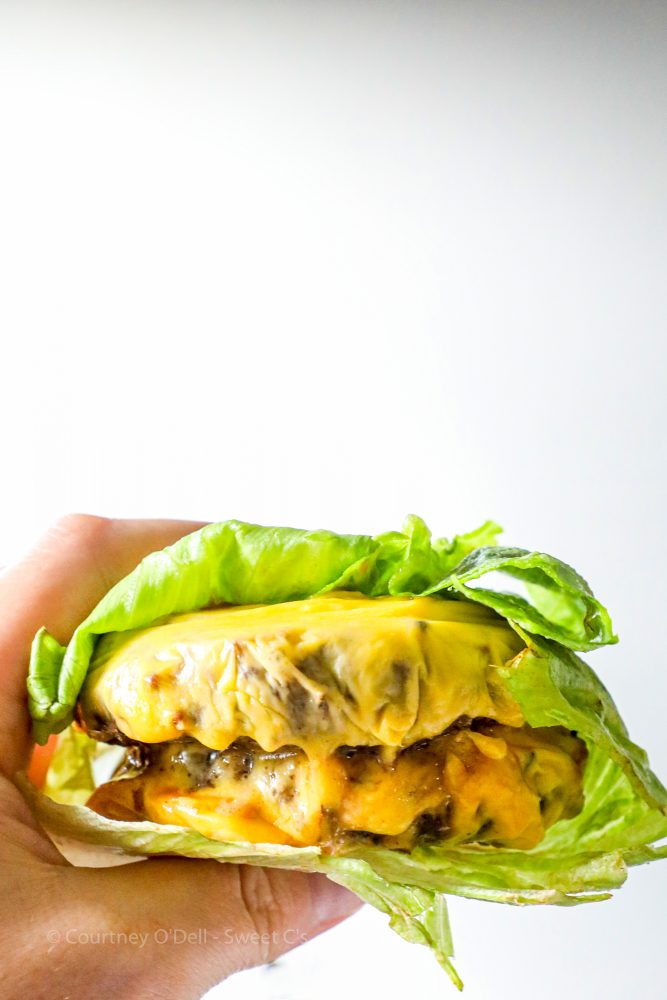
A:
(330, 902)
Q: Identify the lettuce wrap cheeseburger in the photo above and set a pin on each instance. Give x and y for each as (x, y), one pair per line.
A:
(407, 715)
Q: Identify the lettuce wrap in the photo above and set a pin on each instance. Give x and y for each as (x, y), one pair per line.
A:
(546, 602)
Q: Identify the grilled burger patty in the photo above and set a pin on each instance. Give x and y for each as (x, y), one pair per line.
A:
(484, 783)
(328, 721)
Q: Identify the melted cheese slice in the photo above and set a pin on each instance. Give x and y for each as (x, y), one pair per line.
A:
(316, 674)
(502, 786)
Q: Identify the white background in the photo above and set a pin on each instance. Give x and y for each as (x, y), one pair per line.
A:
(324, 264)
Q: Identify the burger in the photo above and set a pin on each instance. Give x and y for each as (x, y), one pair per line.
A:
(407, 715)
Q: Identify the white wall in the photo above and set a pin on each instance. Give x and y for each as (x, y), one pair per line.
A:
(325, 264)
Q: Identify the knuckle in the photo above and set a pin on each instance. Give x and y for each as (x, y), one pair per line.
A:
(80, 528)
(268, 910)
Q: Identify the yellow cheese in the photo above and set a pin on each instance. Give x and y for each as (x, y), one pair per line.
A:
(317, 674)
(501, 786)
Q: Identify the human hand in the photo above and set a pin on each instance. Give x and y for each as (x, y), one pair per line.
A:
(166, 927)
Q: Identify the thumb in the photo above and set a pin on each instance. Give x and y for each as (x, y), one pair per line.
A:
(198, 921)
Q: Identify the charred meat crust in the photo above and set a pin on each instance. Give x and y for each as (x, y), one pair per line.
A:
(244, 751)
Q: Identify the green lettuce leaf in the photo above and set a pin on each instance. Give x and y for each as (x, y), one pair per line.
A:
(556, 688)
(418, 915)
(237, 563)
(79, 766)
(558, 604)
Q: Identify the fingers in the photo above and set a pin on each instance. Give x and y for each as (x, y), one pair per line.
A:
(200, 921)
(57, 585)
